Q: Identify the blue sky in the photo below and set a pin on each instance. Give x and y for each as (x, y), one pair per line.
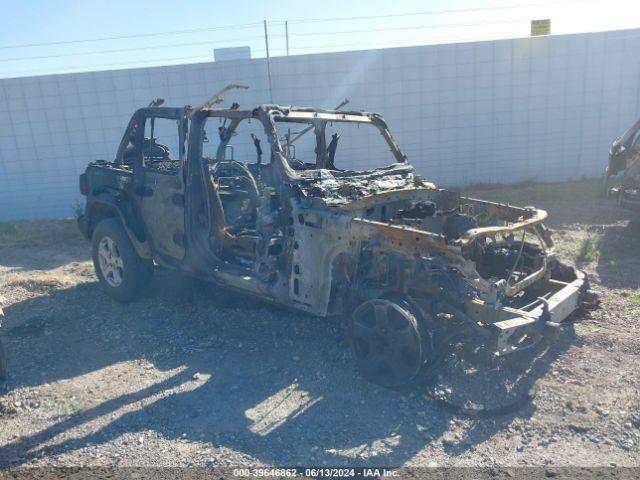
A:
(55, 36)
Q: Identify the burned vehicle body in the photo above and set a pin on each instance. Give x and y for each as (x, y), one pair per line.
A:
(415, 266)
(624, 158)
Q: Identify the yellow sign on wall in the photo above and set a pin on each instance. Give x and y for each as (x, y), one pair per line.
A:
(540, 27)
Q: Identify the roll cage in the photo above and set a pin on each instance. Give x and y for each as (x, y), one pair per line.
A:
(270, 115)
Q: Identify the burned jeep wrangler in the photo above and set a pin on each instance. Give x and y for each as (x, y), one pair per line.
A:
(624, 157)
(243, 198)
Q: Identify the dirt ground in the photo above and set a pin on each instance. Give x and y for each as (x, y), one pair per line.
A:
(193, 375)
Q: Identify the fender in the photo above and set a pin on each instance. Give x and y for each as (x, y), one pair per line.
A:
(112, 204)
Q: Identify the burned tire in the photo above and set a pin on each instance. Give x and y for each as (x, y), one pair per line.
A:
(122, 273)
(388, 342)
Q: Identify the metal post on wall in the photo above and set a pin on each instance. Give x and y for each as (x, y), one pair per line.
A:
(266, 44)
(286, 34)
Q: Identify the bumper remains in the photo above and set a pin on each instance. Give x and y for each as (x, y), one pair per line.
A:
(526, 328)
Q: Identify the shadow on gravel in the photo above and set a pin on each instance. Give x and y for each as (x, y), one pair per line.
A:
(271, 384)
(619, 263)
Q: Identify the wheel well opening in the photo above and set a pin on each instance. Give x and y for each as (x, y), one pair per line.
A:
(98, 214)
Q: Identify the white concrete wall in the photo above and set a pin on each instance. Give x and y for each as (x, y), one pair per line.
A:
(544, 108)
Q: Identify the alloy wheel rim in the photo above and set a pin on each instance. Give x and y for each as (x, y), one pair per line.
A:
(110, 260)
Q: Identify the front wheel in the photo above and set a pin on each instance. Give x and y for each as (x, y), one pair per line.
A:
(122, 273)
(388, 341)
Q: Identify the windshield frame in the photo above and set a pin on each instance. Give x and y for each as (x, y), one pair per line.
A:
(318, 119)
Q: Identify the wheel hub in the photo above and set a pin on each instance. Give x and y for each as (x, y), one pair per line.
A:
(386, 342)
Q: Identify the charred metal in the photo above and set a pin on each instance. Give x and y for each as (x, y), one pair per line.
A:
(624, 160)
(414, 265)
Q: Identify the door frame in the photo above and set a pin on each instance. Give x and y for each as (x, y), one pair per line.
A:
(140, 171)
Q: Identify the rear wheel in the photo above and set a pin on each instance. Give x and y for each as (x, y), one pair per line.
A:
(388, 342)
(122, 273)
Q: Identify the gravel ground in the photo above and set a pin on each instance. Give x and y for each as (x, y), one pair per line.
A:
(193, 375)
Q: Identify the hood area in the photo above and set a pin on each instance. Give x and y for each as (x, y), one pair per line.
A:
(340, 187)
